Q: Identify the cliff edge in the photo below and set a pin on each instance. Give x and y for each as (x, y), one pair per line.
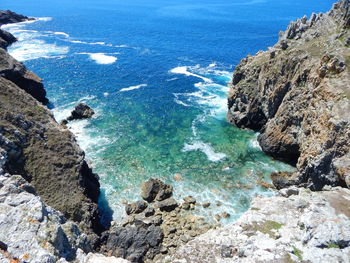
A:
(43, 152)
(297, 95)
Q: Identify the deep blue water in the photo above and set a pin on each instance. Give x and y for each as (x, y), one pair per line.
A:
(156, 73)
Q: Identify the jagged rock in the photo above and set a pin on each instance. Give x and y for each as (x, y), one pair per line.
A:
(9, 17)
(48, 156)
(287, 192)
(81, 111)
(298, 100)
(154, 189)
(6, 39)
(206, 204)
(135, 208)
(309, 227)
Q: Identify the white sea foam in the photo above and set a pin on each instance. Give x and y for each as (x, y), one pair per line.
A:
(206, 149)
(253, 143)
(100, 58)
(57, 33)
(29, 46)
(184, 70)
(34, 49)
(133, 87)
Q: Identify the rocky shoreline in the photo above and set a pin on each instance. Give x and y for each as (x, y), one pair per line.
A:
(296, 94)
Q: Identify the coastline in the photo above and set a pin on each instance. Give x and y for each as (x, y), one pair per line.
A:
(266, 227)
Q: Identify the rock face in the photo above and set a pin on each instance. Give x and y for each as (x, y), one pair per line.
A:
(16, 72)
(47, 155)
(31, 231)
(304, 227)
(81, 111)
(297, 96)
(9, 17)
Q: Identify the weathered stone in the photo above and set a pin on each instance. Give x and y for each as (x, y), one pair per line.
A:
(149, 211)
(206, 204)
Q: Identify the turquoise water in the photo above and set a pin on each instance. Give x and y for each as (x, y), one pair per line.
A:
(156, 73)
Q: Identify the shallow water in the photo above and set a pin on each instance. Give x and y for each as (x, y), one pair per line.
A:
(156, 73)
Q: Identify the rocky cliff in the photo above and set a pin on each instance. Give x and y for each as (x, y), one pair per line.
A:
(44, 153)
(297, 95)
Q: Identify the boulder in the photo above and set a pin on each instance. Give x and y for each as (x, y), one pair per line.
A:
(167, 205)
(155, 189)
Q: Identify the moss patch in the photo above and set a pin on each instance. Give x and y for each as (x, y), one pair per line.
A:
(268, 227)
(298, 253)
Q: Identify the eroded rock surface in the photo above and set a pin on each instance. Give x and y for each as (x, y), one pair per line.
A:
(81, 111)
(298, 226)
(297, 95)
(47, 155)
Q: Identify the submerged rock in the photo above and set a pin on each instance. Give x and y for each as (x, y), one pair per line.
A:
(81, 111)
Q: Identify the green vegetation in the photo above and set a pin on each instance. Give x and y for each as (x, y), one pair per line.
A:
(333, 245)
(268, 227)
(298, 253)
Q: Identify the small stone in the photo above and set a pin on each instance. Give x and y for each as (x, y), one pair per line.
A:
(185, 206)
(206, 204)
(190, 200)
(178, 177)
(158, 220)
(218, 203)
(149, 211)
(225, 215)
(284, 45)
(3, 246)
(287, 192)
(228, 251)
(218, 217)
(272, 54)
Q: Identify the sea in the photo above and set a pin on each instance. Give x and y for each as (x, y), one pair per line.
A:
(156, 74)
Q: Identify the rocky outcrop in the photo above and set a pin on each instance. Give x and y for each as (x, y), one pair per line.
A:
(81, 111)
(47, 155)
(297, 95)
(9, 17)
(16, 72)
(296, 226)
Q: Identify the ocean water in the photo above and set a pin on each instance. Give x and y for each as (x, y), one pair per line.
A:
(156, 74)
